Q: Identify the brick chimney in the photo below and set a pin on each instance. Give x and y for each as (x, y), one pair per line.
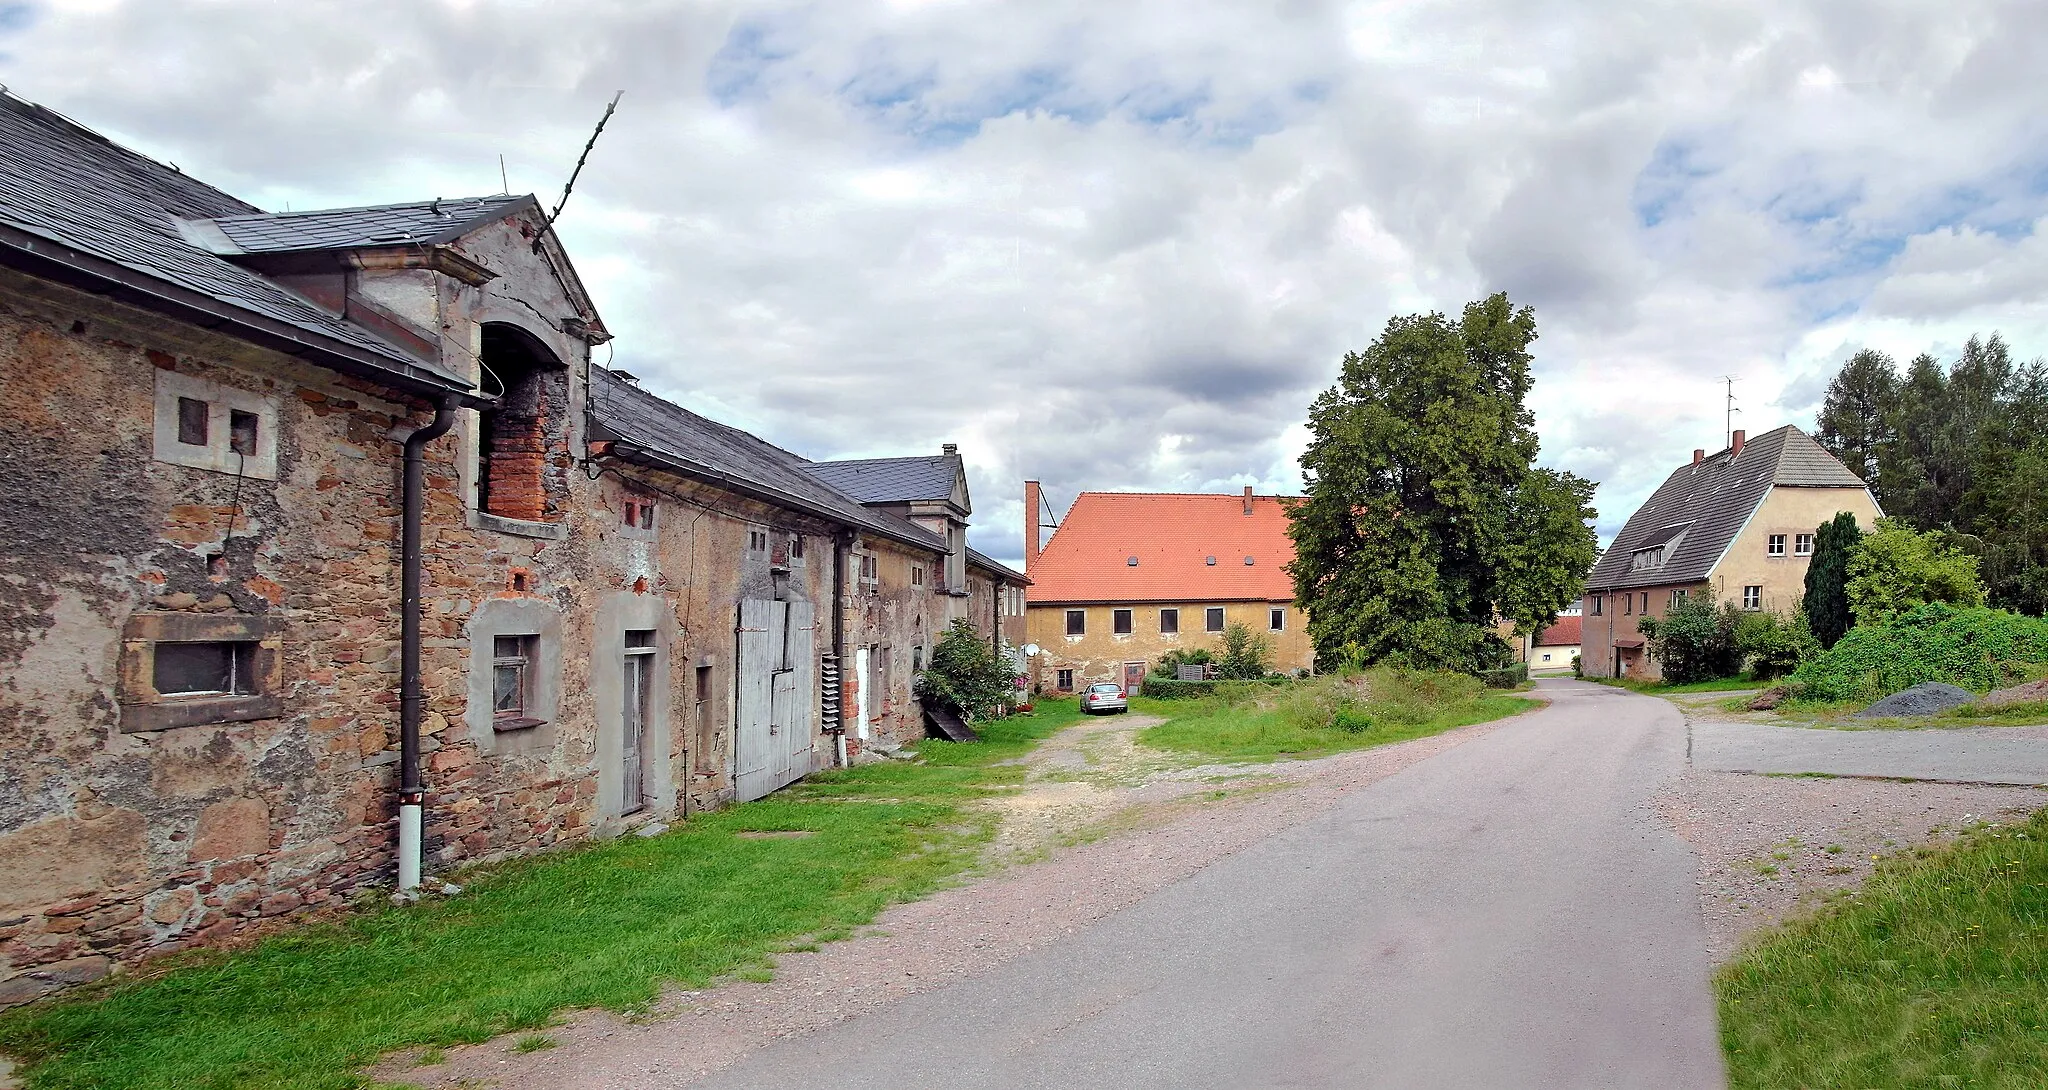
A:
(1247, 499)
(1032, 505)
(1735, 448)
(1699, 455)
(949, 448)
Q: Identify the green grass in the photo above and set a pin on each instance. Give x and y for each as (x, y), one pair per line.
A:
(1718, 685)
(1934, 974)
(1303, 720)
(601, 926)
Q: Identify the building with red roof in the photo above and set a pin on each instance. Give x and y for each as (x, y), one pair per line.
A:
(1555, 647)
(1130, 576)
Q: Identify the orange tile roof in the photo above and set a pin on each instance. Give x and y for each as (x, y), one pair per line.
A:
(1565, 633)
(1172, 535)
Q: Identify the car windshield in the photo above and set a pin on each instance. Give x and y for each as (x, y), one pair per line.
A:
(1105, 688)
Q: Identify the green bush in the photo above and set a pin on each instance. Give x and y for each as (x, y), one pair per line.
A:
(1897, 568)
(1507, 677)
(1695, 641)
(1772, 645)
(1578, 667)
(1978, 649)
(1169, 688)
(1170, 663)
(1245, 654)
(966, 674)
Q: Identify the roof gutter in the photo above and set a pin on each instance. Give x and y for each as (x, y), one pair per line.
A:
(63, 264)
(632, 451)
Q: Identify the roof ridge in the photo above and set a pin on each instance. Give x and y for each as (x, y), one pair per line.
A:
(422, 203)
(47, 114)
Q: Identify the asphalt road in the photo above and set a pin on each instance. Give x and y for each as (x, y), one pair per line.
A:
(1506, 914)
(2014, 755)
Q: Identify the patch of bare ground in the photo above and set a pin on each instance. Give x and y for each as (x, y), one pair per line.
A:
(1772, 846)
(1100, 823)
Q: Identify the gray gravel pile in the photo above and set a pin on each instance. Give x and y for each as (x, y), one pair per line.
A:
(1930, 698)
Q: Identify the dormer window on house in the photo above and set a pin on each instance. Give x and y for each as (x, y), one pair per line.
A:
(513, 438)
(1655, 550)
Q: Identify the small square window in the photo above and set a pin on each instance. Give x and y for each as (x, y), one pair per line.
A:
(1077, 622)
(1063, 680)
(868, 569)
(1677, 596)
(242, 432)
(1802, 545)
(1169, 622)
(757, 541)
(1775, 546)
(1753, 597)
(1120, 621)
(192, 421)
(917, 575)
(1212, 619)
(1276, 619)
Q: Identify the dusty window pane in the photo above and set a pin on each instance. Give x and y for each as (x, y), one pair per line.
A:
(639, 637)
(1169, 622)
(507, 647)
(201, 668)
(242, 432)
(1120, 621)
(1213, 619)
(1077, 622)
(509, 698)
(192, 421)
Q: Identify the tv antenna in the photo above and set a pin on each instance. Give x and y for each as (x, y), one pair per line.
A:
(571, 184)
(1728, 415)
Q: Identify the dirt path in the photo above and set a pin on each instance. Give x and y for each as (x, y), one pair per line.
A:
(1064, 859)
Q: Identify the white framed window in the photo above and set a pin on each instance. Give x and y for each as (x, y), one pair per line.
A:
(917, 575)
(1753, 597)
(1802, 545)
(1775, 545)
(1212, 619)
(1599, 604)
(206, 425)
(1276, 619)
(1120, 622)
(1677, 596)
(1169, 622)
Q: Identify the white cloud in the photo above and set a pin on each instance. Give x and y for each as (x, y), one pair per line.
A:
(1123, 246)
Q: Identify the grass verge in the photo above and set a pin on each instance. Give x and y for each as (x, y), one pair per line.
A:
(1330, 714)
(1658, 688)
(1934, 974)
(601, 926)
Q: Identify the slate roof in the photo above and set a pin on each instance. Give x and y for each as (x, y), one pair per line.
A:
(415, 223)
(892, 480)
(1699, 509)
(733, 459)
(1173, 536)
(981, 560)
(1565, 633)
(79, 207)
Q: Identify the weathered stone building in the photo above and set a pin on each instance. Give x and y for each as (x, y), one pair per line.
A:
(623, 611)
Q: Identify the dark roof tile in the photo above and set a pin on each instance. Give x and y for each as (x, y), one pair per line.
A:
(892, 480)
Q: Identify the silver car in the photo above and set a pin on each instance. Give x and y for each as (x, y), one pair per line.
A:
(1104, 696)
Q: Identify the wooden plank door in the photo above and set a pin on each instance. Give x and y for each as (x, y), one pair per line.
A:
(756, 657)
(801, 639)
(1134, 676)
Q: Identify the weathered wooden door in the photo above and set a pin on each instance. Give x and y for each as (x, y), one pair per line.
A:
(777, 672)
(1134, 676)
(639, 701)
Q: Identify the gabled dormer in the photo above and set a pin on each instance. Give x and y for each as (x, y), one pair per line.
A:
(929, 490)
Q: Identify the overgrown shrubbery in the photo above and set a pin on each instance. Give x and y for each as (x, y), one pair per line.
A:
(1695, 641)
(1978, 649)
(1245, 654)
(967, 674)
(1170, 663)
(1774, 646)
(1389, 695)
(1897, 568)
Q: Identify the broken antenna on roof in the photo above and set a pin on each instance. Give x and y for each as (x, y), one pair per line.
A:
(570, 185)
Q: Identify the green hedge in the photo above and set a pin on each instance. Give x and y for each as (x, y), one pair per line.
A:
(1978, 649)
(1164, 688)
(1507, 677)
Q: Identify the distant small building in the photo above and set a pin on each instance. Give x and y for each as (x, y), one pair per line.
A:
(1738, 525)
(1130, 576)
(1555, 647)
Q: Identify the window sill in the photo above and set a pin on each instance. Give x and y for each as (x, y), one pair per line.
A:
(546, 531)
(506, 726)
(197, 712)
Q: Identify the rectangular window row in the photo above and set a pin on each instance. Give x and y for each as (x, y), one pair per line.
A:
(1122, 620)
(1802, 545)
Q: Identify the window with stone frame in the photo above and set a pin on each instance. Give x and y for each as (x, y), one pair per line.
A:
(1120, 621)
(1077, 622)
(514, 665)
(1063, 680)
(1169, 622)
(187, 669)
(1212, 619)
(1276, 619)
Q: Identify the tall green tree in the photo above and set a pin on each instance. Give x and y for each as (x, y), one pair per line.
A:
(1857, 419)
(1826, 602)
(1423, 516)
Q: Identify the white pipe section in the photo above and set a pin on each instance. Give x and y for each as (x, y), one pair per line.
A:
(408, 847)
(840, 738)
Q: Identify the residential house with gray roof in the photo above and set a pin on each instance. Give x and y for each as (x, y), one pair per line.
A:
(1737, 525)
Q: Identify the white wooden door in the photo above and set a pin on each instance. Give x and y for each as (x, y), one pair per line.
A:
(777, 671)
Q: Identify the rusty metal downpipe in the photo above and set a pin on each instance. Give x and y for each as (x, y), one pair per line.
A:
(412, 790)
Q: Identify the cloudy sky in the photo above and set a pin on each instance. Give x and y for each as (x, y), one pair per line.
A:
(1123, 245)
